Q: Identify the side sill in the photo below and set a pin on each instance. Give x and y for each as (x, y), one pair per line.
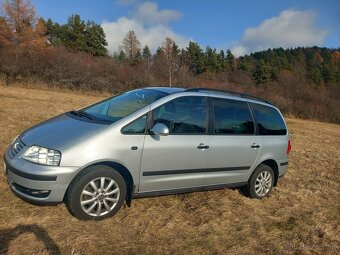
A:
(188, 190)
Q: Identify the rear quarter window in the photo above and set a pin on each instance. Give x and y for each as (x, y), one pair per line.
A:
(232, 117)
(269, 120)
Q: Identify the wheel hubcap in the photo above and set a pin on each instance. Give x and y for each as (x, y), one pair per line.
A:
(263, 183)
(99, 196)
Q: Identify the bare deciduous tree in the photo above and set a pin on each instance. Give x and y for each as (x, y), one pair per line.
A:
(132, 47)
(5, 33)
(21, 17)
(24, 27)
(168, 59)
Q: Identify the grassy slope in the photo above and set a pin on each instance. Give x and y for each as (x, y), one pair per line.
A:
(301, 216)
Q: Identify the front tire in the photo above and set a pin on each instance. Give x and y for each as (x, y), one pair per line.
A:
(97, 193)
(260, 183)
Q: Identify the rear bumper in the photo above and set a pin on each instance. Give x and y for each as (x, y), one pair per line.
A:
(37, 183)
(283, 167)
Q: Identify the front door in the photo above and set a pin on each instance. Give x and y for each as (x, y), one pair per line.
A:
(177, 161)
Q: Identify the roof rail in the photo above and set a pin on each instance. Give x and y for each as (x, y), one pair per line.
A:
(244, 95)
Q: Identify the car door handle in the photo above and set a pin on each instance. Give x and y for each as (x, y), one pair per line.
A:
(201, 146)
(254, 146)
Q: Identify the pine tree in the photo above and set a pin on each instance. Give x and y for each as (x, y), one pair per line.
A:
(211, 60)
(262, 73)
(95, 39)
(146, 55)
(315, 75)
(78, 35)
(73, 33)
(222, 63)
(329, 73)
(230, 60)
(195, 58)
(53, 32)
(121, 56)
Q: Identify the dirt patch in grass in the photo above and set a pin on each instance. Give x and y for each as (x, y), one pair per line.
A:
(302, 216)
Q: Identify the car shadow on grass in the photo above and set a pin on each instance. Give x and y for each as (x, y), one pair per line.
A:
(8, 235)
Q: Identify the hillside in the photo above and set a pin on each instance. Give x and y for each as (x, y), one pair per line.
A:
(300, 217)
(76, 54)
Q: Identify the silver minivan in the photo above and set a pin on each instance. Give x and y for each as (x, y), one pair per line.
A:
(149, 142)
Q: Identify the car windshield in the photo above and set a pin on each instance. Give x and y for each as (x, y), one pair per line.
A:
(117, 107)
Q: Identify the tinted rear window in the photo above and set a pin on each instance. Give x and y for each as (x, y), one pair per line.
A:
(232, 117)
(269, 120)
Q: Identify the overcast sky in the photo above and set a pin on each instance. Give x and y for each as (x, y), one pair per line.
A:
(242, 26)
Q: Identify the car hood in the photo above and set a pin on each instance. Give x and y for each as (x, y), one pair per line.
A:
(60, 132)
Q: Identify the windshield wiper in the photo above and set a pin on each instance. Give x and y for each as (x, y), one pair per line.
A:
(83, 114)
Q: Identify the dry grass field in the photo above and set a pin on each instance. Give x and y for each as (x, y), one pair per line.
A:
(302, 216)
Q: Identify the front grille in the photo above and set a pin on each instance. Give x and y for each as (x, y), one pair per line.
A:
(31, 192)
(16, 147)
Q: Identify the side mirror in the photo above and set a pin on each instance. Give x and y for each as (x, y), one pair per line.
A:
(160, 129)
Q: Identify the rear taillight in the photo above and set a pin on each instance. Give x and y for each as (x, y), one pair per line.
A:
(289, 147)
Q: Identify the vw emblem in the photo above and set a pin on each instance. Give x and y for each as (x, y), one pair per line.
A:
(15, 146)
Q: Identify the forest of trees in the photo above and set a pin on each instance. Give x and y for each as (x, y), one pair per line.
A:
(302, 81)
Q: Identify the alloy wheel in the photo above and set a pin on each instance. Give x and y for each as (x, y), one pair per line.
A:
(263, 183)
(99, 196)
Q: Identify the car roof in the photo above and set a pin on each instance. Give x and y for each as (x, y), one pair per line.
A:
(225, 93)
(168, 90)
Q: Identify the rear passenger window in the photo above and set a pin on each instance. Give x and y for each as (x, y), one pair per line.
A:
(232, 117)
(183, 115)
(269, 120)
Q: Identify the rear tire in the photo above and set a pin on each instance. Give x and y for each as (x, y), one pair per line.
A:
(97, 193)
(260, 183)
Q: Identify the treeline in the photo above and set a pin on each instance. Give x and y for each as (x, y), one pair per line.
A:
(301, 81)
(317, 65)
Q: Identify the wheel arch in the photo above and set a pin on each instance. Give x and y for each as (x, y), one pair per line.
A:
(121, 169)
(274, 166)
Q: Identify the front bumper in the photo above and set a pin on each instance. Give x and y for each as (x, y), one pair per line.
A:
(37, 183)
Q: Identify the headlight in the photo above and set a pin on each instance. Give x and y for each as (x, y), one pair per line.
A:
(42, 156)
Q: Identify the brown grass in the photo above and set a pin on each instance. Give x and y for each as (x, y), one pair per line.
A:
(301, 216)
